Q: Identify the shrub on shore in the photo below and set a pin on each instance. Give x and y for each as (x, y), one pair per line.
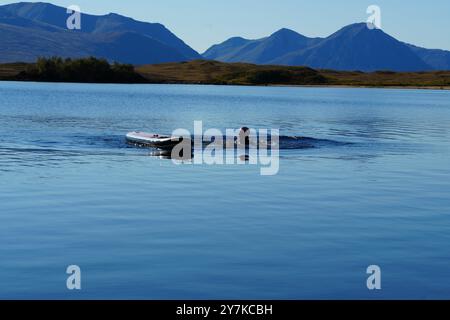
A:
(89, 70)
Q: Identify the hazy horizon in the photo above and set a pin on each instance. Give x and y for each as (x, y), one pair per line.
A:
(203, 24)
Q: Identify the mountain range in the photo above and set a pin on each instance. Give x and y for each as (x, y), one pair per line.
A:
(32, 30)
(354, 47)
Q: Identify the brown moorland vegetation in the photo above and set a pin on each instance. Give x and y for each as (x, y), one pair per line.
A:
(214, 72)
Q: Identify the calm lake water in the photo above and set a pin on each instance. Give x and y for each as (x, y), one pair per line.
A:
(72, 192)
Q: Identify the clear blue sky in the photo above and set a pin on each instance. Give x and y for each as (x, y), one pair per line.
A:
(201, 23)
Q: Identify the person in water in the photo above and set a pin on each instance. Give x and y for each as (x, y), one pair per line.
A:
(244, 137)
(243, 141)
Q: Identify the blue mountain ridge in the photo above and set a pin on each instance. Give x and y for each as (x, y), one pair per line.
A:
(354, 47)
(30, 30)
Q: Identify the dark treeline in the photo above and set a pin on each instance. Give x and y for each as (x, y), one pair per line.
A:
(86, 70)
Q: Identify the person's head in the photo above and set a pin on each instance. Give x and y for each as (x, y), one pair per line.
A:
(244, 134)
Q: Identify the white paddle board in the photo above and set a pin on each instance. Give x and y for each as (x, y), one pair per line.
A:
(152, 140)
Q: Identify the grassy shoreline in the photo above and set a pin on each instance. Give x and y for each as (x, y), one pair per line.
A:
(217, 73)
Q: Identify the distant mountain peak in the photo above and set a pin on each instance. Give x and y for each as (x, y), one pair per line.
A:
(355, 28)
(285, 32)
(237, 39)
(29, 30)
(353, 47)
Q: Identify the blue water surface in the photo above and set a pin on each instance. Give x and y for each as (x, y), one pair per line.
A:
(72, 192)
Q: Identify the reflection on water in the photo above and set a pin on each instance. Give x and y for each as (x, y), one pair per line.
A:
(260, 148)
(363, 179)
